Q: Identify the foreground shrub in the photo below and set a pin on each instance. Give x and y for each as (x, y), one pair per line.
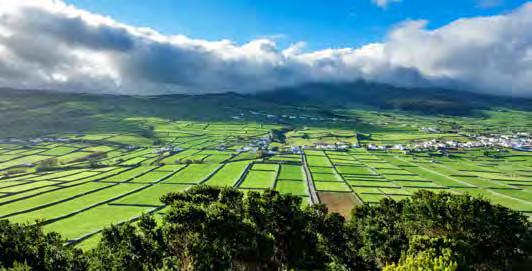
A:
(485, 236)
(210, 228)
(42, 251)
(424, 261)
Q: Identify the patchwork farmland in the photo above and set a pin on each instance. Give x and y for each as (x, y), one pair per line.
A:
(77, 184)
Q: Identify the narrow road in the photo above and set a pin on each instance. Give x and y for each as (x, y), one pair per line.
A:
(310, 182)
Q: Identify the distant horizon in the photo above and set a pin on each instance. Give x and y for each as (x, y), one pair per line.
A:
(258, 92)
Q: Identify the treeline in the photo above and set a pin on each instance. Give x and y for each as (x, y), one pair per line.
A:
(209, 228)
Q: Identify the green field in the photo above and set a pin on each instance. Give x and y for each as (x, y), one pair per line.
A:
(80, 200)
(259, 179)
(229, 174)
(109, 168)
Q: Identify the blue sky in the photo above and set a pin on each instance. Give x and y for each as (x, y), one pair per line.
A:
(79, 50)
(319, 23)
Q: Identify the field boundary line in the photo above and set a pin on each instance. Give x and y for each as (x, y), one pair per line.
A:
(218, 168)
(56, 202)
(244, 175)
(277, 174)
(510, 187)
(58, 188)
(57, 182)
(355, 195)
(437, 173)
(52, 220)
(314, 198)
(107, 201)
(19, 184)
(90, 234)
(487, 189)
(141, 174)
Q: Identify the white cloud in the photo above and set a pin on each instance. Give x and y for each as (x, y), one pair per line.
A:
(48, 44)
(384, 3)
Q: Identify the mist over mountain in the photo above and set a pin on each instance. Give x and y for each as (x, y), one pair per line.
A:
(319, 96)
(52, 45)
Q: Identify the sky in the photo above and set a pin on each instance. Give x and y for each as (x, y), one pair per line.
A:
(320, 23)
(207, 46)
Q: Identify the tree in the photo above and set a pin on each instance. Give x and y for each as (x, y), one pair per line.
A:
(424, 261)
(47, 164)
(383, 240)
(214, 237)
(456, 251)
(340, 243)
(495, 234)
(212, 228)
(295, 239)
(17, 267)
(484, 236)
(26, 245)
(130, 247)
(206, 230)
(206, 222)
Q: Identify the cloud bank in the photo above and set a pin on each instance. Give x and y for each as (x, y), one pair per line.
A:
(51, 45)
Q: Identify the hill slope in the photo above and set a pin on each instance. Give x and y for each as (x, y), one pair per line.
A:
(421, 100)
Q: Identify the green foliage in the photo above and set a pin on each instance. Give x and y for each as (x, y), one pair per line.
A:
(42, 251)
(424, 261)
(220, 228)
(129, 247)
(456, 250)
(382, 239)
(17, 267)
(480, 235)
(282, 217)
(496, 234)
(47, 164)
(211, 228)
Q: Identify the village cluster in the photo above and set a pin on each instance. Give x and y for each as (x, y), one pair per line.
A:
(241, 116)
(36, 140)
(517, 141)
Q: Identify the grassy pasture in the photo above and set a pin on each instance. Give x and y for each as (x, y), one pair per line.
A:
(291, 172)
(192, 174)
(259, 179)
(57, 151)
(78, 176)
(318, 161)
(292, 187)
(94, 220)
(371, 198)
(10, 183)
(26, 194)
(358, 183)
(51, 197)
(151, 177)
(332, 186)
(354, 170)
(497, 198)
(328, 177)
(229, 174)
(267, 167)
(212, 151)
(22, 160)
(76, 204)
(25, 186)
(150, 195)
(128, 174)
